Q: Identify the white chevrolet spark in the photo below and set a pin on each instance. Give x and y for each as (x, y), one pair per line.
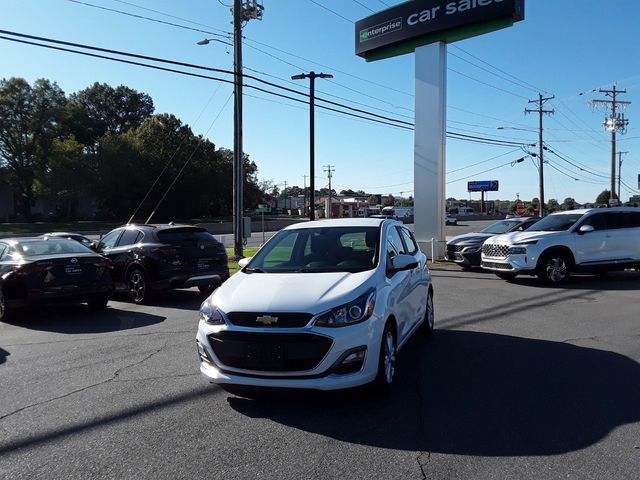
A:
(322, 305)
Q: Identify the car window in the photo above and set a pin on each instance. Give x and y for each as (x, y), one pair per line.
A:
(409, 241)
(394, 243)
(503, 226)
(51, 246)
(323, 249)
(129, 237)
(598, 221)
(109, 240)
(624, 220)
(3, 249)
(556, 222)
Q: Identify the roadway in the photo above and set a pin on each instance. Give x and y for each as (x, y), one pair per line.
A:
(519, 381)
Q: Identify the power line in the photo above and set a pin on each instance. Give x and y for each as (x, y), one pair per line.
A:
(332, 11)
(364, 6)
(512, 163)
(483, 161)
(487, 84)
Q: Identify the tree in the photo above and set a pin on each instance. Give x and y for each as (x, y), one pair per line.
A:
(347, 192)
(553, 205)
(30, 120)
(604, 197)
(100, 109)
(388, 201)
(569, 204)
(373, 200)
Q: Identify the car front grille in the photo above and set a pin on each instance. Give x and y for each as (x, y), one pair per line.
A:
(269, 352)
(496, 266)
(274, 320)
(493, 250)
(454, 248)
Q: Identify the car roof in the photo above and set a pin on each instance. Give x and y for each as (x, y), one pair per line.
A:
(62, 234)
(341, 222)
(160, 226)
(582, 211)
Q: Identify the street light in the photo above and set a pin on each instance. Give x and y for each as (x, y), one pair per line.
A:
(312, 77)
(207, 41)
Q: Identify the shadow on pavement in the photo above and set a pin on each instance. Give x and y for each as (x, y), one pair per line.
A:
(185, 299)
(3, 355)
(470, 393)
(613, 281)
(75, 318)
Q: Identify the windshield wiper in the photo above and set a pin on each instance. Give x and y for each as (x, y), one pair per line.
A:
(253, 270)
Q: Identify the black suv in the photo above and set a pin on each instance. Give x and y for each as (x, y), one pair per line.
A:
(150, 258)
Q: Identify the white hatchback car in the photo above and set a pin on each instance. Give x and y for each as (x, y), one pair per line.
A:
(322, 305)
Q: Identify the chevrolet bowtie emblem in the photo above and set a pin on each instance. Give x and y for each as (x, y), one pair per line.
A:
(267, 320)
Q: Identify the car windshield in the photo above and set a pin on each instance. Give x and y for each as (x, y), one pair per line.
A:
(51, 246)
(502, 227)
(324, 249)
(556, 223)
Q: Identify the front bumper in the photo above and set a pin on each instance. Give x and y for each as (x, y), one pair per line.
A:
(511, 264)
(322, 377)
(457, 254)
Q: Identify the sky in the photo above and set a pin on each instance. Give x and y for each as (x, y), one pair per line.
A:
(566, 48)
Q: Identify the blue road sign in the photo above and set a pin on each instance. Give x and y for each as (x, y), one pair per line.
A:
(483, 186)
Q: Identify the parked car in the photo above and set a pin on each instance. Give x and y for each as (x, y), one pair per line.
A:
(150, 258)
(71, 236)
(465, 249)
(450, 220)
(41, 270)
(590, 240)
(323, 305)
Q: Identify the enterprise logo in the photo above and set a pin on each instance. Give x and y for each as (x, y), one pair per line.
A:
(381, 29)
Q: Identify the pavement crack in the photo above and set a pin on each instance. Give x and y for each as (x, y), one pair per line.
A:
(97, 384)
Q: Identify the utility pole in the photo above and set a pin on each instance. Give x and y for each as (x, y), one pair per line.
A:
(243, 11)
(620, 170)
(540, 101)
(312, 141)
(284, 194)
(614, 123)
(329, 171)
(304, 204)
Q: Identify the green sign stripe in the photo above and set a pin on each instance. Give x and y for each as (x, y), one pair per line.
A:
(447, 37)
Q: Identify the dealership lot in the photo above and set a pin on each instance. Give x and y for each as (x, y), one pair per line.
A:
(519, 381)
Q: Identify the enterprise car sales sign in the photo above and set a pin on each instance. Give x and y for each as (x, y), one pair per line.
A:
(400, 29)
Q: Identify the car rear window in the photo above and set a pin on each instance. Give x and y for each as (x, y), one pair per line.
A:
(181, 236)
(51, 246)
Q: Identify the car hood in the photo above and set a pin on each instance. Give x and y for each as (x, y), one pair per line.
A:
(290, 292)
(470, 238)
(516, 237)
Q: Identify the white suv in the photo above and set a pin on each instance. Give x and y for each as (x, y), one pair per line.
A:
(322, 305)
(593, 240)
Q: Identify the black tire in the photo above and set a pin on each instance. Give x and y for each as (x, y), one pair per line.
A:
(554, 268)
(427, 326)
(138, 286)
(4, 311)
(387, 360)
(506, 275)
(99, 302)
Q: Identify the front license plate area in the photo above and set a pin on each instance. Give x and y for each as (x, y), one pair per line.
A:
(264, 357)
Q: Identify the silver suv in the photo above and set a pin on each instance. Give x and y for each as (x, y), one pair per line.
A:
(592, 240)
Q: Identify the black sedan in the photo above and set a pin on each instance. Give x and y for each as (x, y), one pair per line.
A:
(465, 249)
(151, 258)
(42, 270)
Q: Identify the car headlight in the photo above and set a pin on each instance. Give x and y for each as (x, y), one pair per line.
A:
(518, 251)
(472, 248)
(349, 314)
(209, 314)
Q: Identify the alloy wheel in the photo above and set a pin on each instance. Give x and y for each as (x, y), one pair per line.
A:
(556, 269)
(3, 306)
(389, 357)
(137, 286)
(430, 312)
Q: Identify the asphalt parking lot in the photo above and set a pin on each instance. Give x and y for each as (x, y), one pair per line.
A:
(519, 381)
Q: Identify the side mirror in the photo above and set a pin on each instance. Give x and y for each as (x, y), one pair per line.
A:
(243, 262)
(400, 263)
(94, 246)
(586, 229)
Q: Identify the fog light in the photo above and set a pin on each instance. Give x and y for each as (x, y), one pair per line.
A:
(351, 362)
(202, 353)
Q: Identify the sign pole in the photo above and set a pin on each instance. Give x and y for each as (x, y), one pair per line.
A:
(430, 144)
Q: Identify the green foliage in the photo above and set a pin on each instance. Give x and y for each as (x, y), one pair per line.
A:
(568, 204)
(553, 205)
(388, 201)
(373, 200)
(603, 197)
(31, 118)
